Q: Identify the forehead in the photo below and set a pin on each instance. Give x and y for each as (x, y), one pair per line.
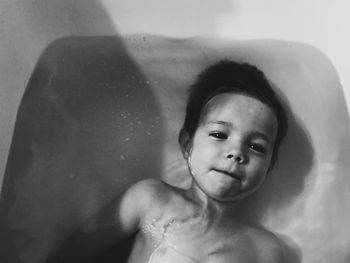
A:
(240, 109)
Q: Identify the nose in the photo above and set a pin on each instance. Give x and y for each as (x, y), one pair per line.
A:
(236, 155)
(239, 159)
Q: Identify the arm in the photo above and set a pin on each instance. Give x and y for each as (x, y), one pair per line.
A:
(115, 222)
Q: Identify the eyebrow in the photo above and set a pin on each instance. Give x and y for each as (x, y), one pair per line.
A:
(262, 135)
(225, 123)
(255, 133)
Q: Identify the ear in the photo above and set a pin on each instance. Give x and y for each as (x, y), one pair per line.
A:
(185, 143)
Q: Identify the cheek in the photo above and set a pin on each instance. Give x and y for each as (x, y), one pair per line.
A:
(202, 155)
(259, 167)
(255, 177)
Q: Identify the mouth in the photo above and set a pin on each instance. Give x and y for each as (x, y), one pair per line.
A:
(232, 175)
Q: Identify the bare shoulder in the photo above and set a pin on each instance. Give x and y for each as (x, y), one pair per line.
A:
(148, 193)
(150, 188)
(268, 245)
(141, 199)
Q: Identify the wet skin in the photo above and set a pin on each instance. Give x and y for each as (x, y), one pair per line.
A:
(228, 159)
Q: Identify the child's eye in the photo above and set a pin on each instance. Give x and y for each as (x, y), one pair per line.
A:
(257, 148)
(218, 135)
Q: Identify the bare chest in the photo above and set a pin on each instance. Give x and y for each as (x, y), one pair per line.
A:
(191, 242)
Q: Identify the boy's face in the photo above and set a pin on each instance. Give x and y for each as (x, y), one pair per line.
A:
(232, 147)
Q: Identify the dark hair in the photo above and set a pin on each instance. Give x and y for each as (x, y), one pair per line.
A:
(232, 77)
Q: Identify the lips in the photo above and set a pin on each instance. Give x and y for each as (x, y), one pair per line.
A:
(232, 175)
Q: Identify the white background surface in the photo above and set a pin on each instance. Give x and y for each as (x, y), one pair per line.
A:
(320, 23)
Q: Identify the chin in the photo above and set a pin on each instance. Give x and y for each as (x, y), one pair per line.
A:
(231, 198)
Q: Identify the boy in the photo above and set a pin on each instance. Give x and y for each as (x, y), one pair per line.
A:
(234, 125)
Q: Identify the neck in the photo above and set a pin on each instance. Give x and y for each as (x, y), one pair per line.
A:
(213, 209)
(208, 207)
